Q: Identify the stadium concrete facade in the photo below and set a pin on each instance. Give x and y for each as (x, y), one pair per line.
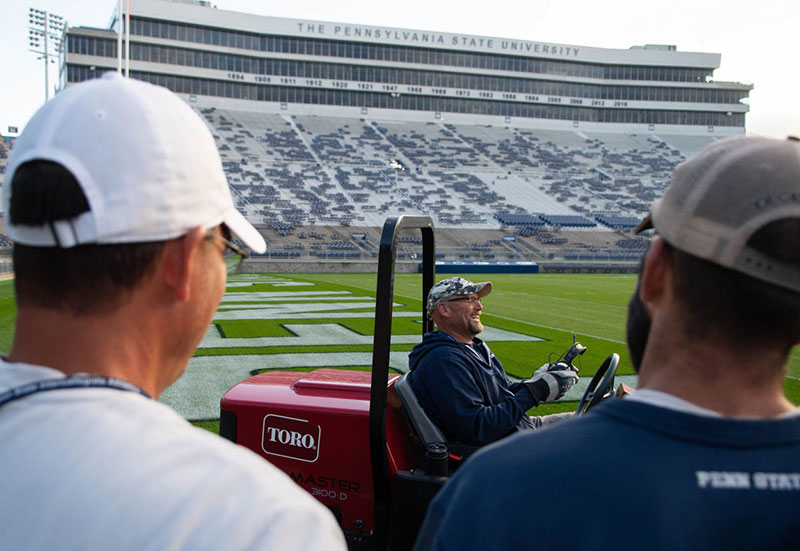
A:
(219, 58)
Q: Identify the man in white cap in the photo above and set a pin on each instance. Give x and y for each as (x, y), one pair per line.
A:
(122, 222)
(461, 384)
(704, 455)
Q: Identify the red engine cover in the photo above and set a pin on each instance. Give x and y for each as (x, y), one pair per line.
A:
(315, 427)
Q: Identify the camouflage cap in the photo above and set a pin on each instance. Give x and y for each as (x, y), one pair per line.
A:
(446, 288)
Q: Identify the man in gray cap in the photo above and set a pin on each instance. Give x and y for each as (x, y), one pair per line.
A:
(704, 455)
(461, 384)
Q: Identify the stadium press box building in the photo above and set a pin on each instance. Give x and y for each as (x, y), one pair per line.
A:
(299, 67)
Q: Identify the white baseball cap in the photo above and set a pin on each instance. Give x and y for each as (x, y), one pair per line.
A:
(145, 160)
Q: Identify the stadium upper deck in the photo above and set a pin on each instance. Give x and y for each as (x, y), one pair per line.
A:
(233, 60)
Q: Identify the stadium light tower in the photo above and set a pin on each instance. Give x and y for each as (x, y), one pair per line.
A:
(46, 38)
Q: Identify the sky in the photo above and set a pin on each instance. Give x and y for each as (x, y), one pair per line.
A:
(758, 40)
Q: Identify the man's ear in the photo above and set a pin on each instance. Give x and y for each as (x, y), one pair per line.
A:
(656, 271)
(177, 262)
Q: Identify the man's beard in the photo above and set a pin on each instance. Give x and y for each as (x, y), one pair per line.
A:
(475, 327)
(638, 328)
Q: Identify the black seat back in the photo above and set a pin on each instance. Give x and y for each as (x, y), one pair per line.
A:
(426, 430)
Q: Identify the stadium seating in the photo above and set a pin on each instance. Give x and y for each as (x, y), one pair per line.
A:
(307, 170)
(292, 175)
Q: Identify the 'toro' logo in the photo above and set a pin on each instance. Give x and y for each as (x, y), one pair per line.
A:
(290, 437)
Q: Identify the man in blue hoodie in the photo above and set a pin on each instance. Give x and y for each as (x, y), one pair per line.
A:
(461, 384)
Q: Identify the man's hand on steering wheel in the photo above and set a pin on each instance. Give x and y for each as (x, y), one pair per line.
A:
(551, 381)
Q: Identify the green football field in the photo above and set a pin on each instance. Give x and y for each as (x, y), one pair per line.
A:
(532, 318)
(592, 307)
(304, 321)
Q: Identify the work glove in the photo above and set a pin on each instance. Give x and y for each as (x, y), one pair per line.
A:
(551, 381)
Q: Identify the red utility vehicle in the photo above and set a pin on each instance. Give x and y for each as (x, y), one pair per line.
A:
(358, 441)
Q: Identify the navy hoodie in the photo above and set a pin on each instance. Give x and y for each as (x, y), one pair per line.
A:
(465, 391)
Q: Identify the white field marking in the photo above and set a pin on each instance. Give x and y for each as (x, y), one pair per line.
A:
(293, 309)
(259, 314)
(330, 334)
(273, 284)
(372, 291)
(264, 295)
(559, 329)
(369, 300)
(197, 393)
(262, 278)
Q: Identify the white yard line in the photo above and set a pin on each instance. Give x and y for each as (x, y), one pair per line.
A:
(556, 328)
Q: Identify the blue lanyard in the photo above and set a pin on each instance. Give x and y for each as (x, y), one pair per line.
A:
(78, 381)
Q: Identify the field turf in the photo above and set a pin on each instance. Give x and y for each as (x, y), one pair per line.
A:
(551, 307)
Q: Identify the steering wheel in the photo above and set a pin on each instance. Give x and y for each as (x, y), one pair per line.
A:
(601, 383)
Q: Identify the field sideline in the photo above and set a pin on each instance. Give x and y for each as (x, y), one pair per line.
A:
(303, 321)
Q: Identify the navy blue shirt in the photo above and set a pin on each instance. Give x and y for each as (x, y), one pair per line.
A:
(465, 391)
(627, 475)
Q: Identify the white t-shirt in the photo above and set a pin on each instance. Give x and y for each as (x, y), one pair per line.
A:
(102, 469)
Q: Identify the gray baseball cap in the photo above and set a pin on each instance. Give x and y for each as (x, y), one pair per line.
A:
(719, 198)
(446, 288)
